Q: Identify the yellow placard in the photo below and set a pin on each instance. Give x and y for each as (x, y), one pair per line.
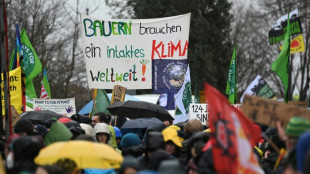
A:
(15, 90)
(297, 45)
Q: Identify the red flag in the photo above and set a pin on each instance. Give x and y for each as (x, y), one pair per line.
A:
(234, 136)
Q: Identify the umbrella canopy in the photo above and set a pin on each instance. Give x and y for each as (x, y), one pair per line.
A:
(139, 109)
(86, 154)
(88, 107)
(40, 116)
(141, 123)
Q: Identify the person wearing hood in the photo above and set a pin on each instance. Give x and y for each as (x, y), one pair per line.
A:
(153, 142)
(102, 133)
(130, 145)
(173, 143)
(157, 157)
(118, 136)
(89, 130)
(130, 165)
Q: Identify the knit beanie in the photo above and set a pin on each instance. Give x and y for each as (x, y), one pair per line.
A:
(130, 140)
(297, 126)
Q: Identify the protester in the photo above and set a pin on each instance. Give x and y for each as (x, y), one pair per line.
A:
(172, 141)
(89, 130)
(295, 127)
(303, 146)
(100, 117)
(153, 142)
(23, 127)
(9, 151)
(130, 145)
(102, 133)
(130, 165)
(171, 167)
(118, 136)
(25, 149)
(157, 157)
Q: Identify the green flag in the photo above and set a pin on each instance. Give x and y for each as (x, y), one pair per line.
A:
(281, 64)
(30, 94)
(30, 63)
(45, 89)
(231, 81)
(101, 102)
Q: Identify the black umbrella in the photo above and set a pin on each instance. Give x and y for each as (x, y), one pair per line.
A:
(139, 109)
(142, 123)
(40, 116)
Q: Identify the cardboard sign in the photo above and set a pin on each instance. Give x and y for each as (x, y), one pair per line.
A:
(268, 112)
(302, 104)
(118, 94)
(199, 112)
(14, 117)
(65, 107)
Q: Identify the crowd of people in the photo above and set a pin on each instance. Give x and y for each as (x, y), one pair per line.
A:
(162, 148)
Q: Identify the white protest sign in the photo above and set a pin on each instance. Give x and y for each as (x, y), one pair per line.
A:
(120, 51)
(65, 107)
(199, 112)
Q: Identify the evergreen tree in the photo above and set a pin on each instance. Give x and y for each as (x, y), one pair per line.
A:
(210, 48)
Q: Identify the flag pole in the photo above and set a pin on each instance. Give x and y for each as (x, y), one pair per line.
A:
(4, 70)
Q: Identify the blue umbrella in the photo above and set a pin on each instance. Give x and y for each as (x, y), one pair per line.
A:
(88, 107)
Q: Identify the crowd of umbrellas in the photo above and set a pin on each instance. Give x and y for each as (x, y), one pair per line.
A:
(140, 114)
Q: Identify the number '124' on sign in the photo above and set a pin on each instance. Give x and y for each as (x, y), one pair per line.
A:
(199, 108)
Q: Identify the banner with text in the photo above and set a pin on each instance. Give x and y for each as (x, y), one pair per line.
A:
(15, 89)
(278, 30)
(120, 51)
(65, 107)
